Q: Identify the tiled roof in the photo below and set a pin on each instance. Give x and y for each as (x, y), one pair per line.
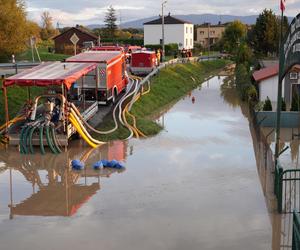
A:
(266, 73)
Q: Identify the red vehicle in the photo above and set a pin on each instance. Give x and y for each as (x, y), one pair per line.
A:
(111, 73)
(108, 48)
(143, 62)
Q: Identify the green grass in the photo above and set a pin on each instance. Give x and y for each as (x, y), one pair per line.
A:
(167, 87)
(44, 54)
(17, 97)
(171, 84)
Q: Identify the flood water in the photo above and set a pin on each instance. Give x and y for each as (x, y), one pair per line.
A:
(194, 186)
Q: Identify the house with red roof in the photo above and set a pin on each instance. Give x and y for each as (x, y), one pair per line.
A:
(267, 82)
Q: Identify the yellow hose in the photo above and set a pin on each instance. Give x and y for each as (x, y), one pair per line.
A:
(75, 117)
(75, 124)
(9, 123)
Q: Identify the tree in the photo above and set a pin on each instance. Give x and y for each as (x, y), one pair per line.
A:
(110, 22)
(283, 105)
(244, 54)
(233, 36)
(13, 28)
(265, 33)
(268, 105)
(48, 29)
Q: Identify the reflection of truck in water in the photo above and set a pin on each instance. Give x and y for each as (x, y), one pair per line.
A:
(111, 73)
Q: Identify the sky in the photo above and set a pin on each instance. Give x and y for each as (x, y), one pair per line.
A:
(84, 12)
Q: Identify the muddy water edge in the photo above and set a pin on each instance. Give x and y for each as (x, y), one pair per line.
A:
(193, 186)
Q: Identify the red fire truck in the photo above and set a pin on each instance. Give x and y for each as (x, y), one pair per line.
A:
(111, 75)
(108, 48)
(143, 62)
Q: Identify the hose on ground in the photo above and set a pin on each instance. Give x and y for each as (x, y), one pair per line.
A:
(114, 116)
(75, 117)
(54, 139)
(30, 139)
(49, 140)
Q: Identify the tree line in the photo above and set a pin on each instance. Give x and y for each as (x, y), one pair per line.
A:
(16, 30)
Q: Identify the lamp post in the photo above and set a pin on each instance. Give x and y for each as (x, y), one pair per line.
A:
(163, 29)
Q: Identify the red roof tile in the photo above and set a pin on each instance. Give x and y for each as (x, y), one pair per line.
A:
(266, 73)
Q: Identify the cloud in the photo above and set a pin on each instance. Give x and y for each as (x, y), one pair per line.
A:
(93, 11)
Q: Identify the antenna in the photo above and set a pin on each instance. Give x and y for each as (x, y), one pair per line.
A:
(120, 19)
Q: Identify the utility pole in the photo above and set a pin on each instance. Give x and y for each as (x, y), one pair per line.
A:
(163, 29)
(208, 29)
(279, 92)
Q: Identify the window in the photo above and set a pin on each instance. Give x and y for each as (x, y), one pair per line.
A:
(294, 76)
(186, 42)
(201, 32)
(191, 29)
(186, 30)
(191, 42)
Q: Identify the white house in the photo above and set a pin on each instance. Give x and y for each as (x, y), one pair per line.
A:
(176, 31)
(267, 80)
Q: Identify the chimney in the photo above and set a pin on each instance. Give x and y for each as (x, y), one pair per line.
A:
(169, 14)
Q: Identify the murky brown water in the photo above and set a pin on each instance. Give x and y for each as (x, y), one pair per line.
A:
(194, 186)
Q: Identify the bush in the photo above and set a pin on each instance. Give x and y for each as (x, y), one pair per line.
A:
(267, 105)
(171, 48)
(283, 105)
(295, 103)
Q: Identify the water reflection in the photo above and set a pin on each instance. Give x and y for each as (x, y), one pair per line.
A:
(56, 189)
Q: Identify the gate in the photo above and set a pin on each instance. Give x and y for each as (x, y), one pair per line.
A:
(296, 231)
(287, 189)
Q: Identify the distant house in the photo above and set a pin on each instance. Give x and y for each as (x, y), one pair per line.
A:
(63, 45)
(176, 31)
(267, 81)
(207, 34)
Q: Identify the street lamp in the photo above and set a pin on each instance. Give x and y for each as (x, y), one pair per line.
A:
(163, 29)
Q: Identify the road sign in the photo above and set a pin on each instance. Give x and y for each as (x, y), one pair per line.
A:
(74, 39)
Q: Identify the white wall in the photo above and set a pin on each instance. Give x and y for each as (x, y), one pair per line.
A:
(174, 33)
(268, 88)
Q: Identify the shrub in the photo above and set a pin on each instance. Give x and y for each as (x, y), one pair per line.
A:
(283, 105)
(295, 103)
(170, 48)
(267, 105)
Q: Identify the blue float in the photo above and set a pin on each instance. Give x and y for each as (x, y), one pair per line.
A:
(98, 165)
(77, 165)
(108, 164)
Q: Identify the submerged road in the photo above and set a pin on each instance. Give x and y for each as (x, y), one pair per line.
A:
(194, 186)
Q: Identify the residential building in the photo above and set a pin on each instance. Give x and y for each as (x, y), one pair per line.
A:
(176, 31)
(267, 82)
(63, 44)
(207, 34)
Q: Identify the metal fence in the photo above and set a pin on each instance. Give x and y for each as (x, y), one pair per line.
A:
(296, 231)
(287, 189)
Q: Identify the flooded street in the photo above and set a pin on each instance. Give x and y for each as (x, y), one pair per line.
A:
(194, 186)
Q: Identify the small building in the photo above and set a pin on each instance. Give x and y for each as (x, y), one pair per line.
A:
(63, 44)
(176, 31)
(267, 81)
(208, 35)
